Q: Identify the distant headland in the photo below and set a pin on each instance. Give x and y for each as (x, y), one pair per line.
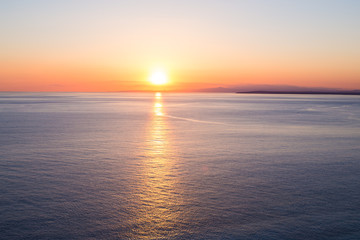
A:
(281, 89)
(304, 92)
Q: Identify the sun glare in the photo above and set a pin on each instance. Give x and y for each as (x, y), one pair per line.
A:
(158, 77)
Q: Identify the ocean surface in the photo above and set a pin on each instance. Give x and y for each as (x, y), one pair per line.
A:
(179, 166)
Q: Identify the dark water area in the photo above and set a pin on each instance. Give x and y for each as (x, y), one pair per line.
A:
(179, 166)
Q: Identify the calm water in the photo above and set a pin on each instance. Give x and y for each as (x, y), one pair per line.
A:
(179, 166)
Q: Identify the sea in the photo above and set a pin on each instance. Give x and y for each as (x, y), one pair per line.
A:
(179, 166)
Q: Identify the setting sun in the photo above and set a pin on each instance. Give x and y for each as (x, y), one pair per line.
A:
(158, 77)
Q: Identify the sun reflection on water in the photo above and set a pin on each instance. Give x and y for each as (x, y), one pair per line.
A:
(158, 109)
(159, 195)
(158, 95)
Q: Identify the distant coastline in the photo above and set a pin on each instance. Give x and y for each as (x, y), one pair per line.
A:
(303, 92)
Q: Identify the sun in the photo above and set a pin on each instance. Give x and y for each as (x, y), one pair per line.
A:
(158, 77)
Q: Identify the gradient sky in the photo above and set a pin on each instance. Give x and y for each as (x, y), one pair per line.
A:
(74, 45)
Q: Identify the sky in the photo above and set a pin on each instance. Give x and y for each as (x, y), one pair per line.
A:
(108, 45)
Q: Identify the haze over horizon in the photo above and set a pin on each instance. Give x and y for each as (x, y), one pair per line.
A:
(115, 45)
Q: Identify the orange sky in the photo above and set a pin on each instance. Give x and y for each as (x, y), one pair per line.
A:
(59, 77)
(80, 46)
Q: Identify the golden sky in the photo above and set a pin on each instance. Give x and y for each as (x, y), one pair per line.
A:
(115, 45)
